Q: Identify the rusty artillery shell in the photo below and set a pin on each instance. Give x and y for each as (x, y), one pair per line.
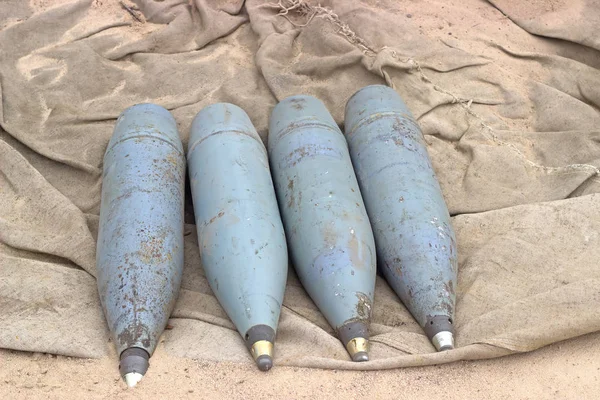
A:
(240, 233)
(416, 245)
(140, 240)
(327, 227)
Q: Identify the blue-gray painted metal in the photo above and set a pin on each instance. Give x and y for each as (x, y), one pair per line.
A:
(240, 233)
(416, 245)
(140, 240)
(327, 227)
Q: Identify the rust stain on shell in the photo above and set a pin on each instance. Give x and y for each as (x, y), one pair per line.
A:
(130, 337)
(363, 306)
(449, 286)
(298, 103)
(292, 201)
(213, 219)
(310, 150)
(151, 250)
(329, 235)
(355, 256)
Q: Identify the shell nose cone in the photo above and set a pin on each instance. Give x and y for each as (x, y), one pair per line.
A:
(443, 341)
(355, 335)
(134, 364)
(132, 379)
(358, 348)
(264, 362)
(262, 352)
(146, 119)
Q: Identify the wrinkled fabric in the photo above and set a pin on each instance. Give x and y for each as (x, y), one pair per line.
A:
(508, 100)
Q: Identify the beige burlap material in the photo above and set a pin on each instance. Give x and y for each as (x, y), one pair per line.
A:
(509, 106)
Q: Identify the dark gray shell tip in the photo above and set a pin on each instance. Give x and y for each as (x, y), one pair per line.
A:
(361, 356)
(264, 363)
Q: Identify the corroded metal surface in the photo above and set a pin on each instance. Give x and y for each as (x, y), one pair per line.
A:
(416, 245)
(240, 233)
(327, 227)
(140, 240)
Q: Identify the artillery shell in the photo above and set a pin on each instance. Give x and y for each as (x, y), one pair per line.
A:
(140, 240)
(416, 245)
(240, 233)
(327, 228)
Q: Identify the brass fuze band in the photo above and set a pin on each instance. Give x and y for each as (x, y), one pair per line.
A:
(261, 348)
(357, 345)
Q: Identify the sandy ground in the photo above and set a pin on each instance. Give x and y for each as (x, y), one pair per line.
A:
(566, 370)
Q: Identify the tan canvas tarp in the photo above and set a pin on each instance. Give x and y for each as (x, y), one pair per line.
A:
(510, 106)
